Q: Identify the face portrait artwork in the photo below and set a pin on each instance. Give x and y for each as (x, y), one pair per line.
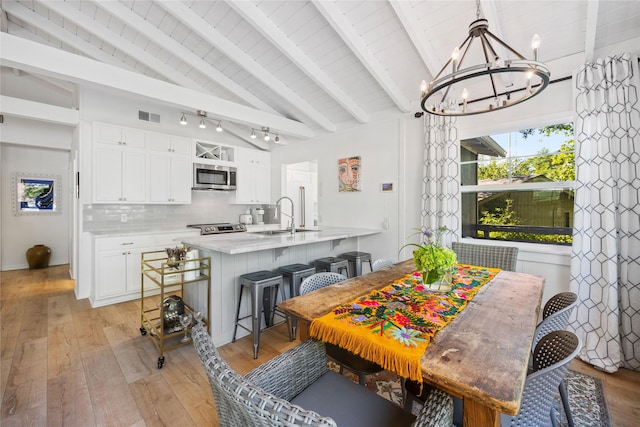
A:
(349, 174)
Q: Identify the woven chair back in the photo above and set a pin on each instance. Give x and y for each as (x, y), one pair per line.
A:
(502, 257)
(555, 315)
(381, 263)
(552, 356)
(320, 280)
(241, 403)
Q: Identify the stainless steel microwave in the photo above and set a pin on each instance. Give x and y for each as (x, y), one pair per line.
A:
(210, 177)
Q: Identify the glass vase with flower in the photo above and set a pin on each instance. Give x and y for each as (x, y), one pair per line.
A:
(433, 261)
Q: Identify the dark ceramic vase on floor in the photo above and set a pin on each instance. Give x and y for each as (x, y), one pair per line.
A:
(38, 256)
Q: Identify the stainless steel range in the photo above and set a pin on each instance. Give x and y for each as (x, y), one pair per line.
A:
(219, 228)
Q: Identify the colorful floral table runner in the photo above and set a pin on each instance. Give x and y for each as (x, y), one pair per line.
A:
(394, 325)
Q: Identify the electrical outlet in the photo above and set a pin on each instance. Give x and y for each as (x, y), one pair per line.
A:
(385, 223)
(123, 217)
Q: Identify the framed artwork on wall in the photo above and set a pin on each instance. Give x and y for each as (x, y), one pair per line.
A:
(35, 194)
(349, 174)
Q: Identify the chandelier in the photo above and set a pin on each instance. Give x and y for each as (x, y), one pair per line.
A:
(491, 85)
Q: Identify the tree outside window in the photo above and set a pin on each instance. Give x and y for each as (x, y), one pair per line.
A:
(519, 186)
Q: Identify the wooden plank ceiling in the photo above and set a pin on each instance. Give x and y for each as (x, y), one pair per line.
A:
(319, 65)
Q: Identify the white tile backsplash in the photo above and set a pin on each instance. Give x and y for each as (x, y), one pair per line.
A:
(205, 207)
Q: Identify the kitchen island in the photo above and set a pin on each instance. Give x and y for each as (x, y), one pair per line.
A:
(234, 254)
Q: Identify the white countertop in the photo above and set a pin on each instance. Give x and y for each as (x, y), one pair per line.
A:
(239, 243)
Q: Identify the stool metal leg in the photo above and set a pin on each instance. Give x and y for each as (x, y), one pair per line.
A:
(256, 298)
(235, 329)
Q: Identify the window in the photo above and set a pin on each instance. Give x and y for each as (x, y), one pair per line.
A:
(518, 186)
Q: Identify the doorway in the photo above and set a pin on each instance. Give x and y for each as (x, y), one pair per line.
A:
(300, 184)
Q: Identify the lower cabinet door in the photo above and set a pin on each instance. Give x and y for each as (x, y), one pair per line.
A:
(112, 273)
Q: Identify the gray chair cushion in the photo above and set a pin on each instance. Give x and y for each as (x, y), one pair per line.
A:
(326, 396)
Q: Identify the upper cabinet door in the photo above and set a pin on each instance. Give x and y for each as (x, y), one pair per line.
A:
(159, 142)
(134, 138)
(118, 135)
(182, 145)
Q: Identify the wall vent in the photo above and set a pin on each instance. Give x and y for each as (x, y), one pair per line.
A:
(148, 117)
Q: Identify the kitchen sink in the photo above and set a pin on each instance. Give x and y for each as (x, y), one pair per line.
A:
(278, 232)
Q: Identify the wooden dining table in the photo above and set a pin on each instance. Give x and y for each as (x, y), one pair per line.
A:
(481, 356)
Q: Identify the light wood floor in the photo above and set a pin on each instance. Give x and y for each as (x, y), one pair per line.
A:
(64, 363)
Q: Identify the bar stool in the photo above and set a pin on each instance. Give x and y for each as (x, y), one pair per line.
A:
(355, 259)
(257, 282)
(296, 273)
(333, 264)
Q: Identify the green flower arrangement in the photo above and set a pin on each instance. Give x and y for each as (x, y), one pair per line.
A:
(433, 260)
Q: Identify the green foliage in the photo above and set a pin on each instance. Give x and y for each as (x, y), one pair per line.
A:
(429, 255)
(559, 166)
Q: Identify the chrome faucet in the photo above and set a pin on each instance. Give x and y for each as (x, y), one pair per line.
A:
(292, 216)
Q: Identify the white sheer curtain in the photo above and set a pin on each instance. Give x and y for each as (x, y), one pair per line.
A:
(441, 177)
(605, 263)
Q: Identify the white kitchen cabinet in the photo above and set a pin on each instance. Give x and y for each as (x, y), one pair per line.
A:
(117, 273)
(170, 178)
(118, 135)
(117, 264)
(254, 177)
(211, 153)
(119, 175)
(169, 143)
(136, 166)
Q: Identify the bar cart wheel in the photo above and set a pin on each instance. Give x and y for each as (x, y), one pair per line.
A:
(143, 331)
(160, 362)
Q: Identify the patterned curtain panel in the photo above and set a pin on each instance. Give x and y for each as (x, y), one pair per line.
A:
(605, 263)
(441, 177)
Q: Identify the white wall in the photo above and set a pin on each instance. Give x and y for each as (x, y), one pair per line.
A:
(19, 233)
(381, 148)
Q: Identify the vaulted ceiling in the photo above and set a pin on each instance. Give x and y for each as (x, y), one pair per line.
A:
(318, 66)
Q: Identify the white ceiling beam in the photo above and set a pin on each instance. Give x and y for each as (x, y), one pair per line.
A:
(151, 32)
(32, 18)
(92, 26)
(250, 12)
(417, 33)
(189, 18)
(4, 21)
(37, 58)
(591, 30)
(245, 136)
(17, 107)
(349, 35)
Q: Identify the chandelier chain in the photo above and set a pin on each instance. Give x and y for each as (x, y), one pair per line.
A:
(477, 9)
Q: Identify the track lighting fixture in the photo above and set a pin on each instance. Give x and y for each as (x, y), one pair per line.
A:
(203, 119)
(266, 134)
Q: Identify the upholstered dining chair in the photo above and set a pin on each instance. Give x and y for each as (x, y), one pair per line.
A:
(381, 263)
(344, 358)
(555, 317)
(502, 257)
(296, 389)
(551, 358)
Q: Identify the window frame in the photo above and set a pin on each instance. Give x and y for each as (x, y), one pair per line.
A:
(546, 186)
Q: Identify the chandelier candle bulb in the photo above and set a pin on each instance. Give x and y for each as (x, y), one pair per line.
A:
(465, 95)
(423, 88)
(454, 58)
(535, 44)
